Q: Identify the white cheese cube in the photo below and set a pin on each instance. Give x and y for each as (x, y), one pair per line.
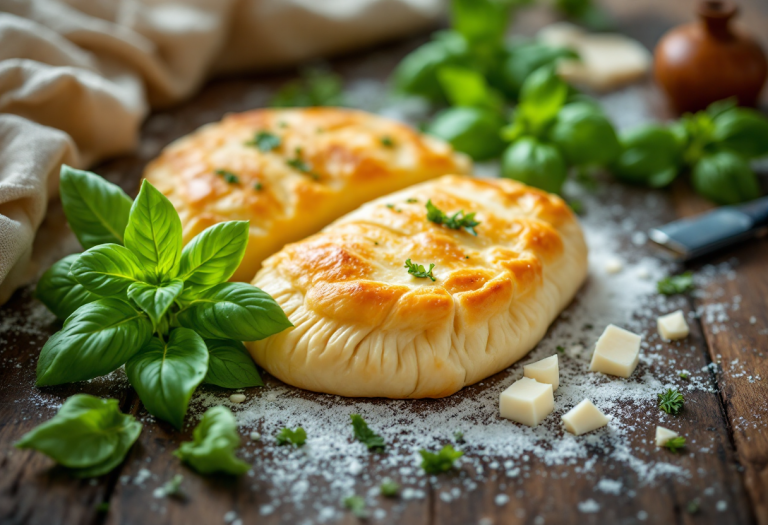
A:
(527, 401)
(584, 417)
(663, 435)
(613, 265)
(544, 371)
(673, 326)
(616, 352)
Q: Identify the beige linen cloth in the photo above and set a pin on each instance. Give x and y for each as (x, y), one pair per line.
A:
(77, 77)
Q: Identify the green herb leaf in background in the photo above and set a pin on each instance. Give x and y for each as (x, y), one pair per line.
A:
(317, 87)
(442, 461)
(542, 96)
(107, 270)
(651, 155)
(153, 233)
(468, 88)
(166, 374)
(295, 437)
(213, 256)
(584, 135)
(525, 57)
(97, 339)
(356, 505)
(470, 130)
(230, 365)
(743, 131)
(534, 163)
(155, 300)
(675, 444)
(97, 211)
(365, 435)
(725, 178)
(88, 434)
(676, 284)
(60, 292)
(237, 311)
(215, 440)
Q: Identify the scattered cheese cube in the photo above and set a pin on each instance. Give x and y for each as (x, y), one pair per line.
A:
(616, 352)
(544, 371)
(613, 265)
(584, 417)
(673, 326)
(663, 435)
(237, 398)
(527, 401)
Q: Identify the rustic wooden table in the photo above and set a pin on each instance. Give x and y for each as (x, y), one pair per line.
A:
(34, 491)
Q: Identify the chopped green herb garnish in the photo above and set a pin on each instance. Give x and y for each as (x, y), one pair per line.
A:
(389, 488)
(411, 200)
(258, 186)
(365, 435)
(172, 487)
(392, 207)
(387, 142)
(676, 284)
(694, 506)
(560, 348)
(102, 507)
(228, 176)
(458, 436)
(435, 463)
(418, 270)
(356, 504)
(671, 401)
(299, 164)
(675, 444)
(296, 437)
(265, 141)
(455, 222)
(317, 87)
(683, 375)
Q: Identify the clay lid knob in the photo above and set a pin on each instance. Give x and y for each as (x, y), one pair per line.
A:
(716, 15)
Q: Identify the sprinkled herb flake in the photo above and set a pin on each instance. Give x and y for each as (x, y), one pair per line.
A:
(258, 186)
(265, 141)
(671, 401)
(389, 488)
(560, 349)
(411, 200)
(365, 435)
(356, 504)
(393, 208)
(675, 284)
(418, 270)
(676, 444)
(387, 142)
(228, 176)
(442, 461)
(295, 437)
(456, 221)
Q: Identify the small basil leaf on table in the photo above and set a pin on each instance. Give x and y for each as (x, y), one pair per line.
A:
(725, 178)
(584, 135)
(474, 131)
(534, 163)
(214, 443)
(166, 374)
(88, 434)
(107, 269)
(213, 255)
(541, 97)
(97, 339)
(97, 210)
(230, 365)
(60, 292)
(234, 311)
(651, 155)
(153, 233)
(153, 299)
(743, 131)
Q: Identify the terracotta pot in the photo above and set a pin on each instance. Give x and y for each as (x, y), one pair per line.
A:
(709, 60)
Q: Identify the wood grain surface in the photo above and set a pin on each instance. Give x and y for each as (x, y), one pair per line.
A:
(735, 471)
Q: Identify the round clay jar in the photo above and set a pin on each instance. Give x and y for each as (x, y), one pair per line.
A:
(709, 60)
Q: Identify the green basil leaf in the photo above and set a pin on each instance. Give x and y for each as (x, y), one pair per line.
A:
(98, 338)
(107, 269)
(541, 97)
(474, 131)
(60, 292)
(534, 163)
(725, 178)
(87, 434)
(417, 72)
(213, 256)
(97, 210)
(230, 365)
(584, 135)
(480, 20)
(523, 58)
(214, 443)
(651, 155)
(237, 311)
(467, 87)
(155, 299)
(153, 233)
(743, 131)
(166, 374)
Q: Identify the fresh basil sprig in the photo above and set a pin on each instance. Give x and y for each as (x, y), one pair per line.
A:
(88, 435)
(165, 313)
(213, 444)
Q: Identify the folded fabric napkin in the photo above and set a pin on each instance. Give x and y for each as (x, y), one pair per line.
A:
(77, 77)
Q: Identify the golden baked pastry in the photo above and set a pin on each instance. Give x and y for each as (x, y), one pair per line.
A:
(292, 171)
(364, 326)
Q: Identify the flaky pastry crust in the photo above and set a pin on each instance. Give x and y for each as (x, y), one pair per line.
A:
(366, 327)
(329, 162)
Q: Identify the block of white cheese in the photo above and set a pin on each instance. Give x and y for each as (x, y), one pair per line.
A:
(584, 417)
(673, 326)
(616, 352)
(663, 435)
(544, 371)
(607, 60)
(527, 401)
